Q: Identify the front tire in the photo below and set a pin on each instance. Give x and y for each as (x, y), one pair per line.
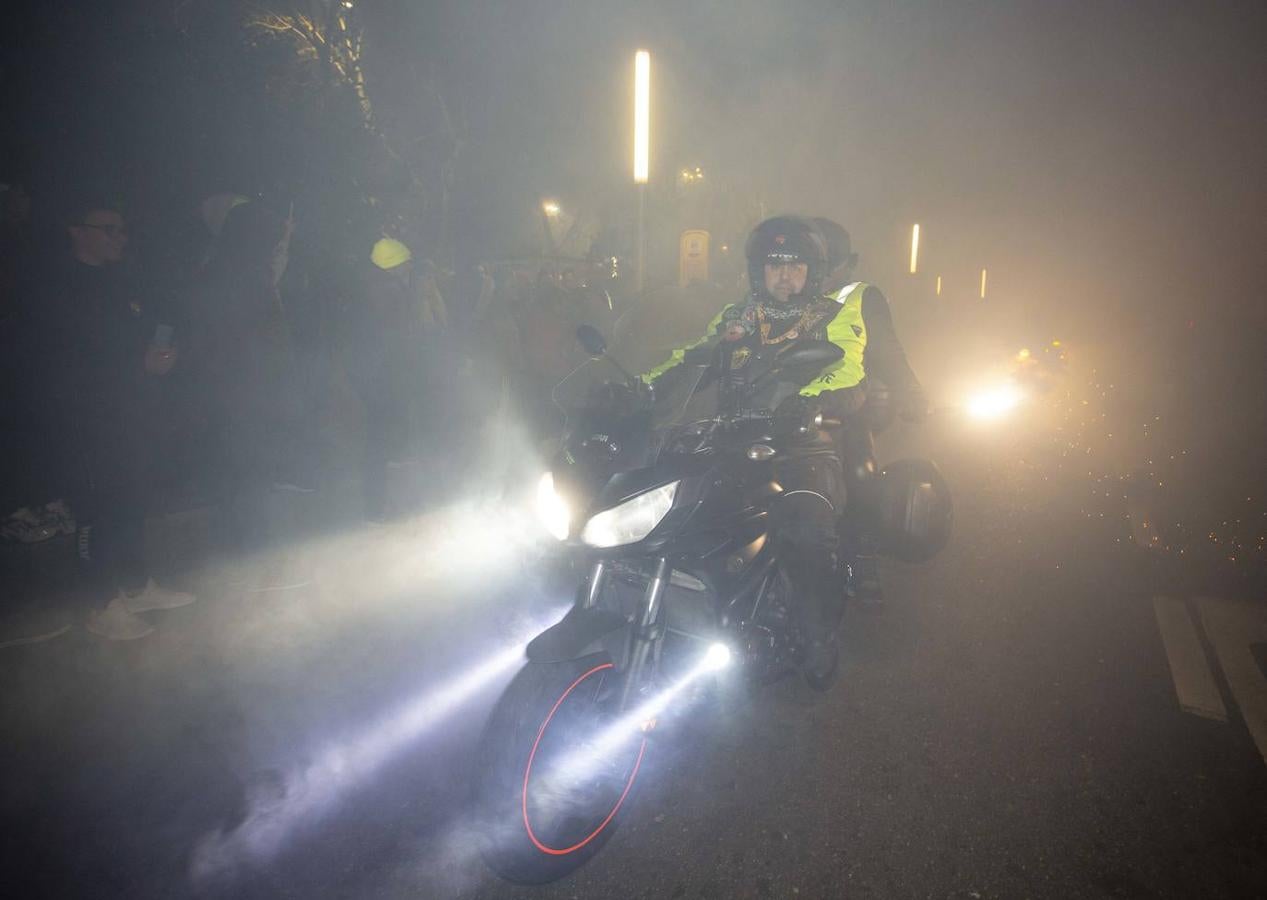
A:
(825, 678)
(554, 775)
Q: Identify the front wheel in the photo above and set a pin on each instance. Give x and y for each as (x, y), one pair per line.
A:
(824, 676)
(557, 765)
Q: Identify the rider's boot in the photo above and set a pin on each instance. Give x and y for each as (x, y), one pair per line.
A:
(819, 655)
(822, 663)
(864, 567)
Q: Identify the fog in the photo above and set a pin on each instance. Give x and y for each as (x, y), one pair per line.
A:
(1106, 162)
(1095, 156)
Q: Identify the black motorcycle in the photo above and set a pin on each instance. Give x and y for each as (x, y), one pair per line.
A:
(667, 500)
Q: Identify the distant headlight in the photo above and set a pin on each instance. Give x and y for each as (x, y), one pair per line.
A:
(552, 510)
(994, 403)
(632, 521)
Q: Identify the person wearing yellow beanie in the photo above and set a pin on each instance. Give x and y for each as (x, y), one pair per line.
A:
(383, 366)
(388, 253)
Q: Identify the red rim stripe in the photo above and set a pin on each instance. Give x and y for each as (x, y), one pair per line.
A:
(554, 851)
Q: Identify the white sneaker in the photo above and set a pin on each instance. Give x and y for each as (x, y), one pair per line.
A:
(155, 597)
(117, 623)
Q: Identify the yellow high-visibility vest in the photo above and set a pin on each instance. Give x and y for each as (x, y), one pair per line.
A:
(848, 332)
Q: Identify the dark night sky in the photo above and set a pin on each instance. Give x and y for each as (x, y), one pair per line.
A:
(1111, 152)
(1096, 156)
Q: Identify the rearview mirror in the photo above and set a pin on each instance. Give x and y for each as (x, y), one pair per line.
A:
(592, 340)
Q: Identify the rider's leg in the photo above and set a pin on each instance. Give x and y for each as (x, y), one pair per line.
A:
(806, 519)
(856, 447)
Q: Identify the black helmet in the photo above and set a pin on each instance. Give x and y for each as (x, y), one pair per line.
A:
(839, 247)
(786, 239)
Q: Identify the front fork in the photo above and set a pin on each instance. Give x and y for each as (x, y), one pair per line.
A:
(647, 630)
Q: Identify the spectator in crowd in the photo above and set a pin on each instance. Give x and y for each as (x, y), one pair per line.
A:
(434, 315)
(590, 301)
(309, 286)
(495, 362)
(102, 355)
(486, 295)
(436, 357)
(211, 214)
(381, 357)
(499, 342)
(19, 413)
(549, 345)
(241, 355)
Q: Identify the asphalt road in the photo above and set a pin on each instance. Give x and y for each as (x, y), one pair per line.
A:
(1009, 726)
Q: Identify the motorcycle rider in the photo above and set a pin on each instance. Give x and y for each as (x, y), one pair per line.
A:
(787, 262)
(884, 377)
(856, 317)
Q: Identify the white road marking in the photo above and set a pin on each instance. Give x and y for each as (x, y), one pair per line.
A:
(1194, 682)
(1233, 626)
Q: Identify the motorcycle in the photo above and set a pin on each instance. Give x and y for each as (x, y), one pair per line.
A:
(667, 500)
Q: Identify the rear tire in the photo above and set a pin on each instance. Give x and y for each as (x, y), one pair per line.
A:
(530, 835)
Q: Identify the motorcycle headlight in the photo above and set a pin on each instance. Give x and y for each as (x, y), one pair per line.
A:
(632, 521)
(994, 403)
(552, 509)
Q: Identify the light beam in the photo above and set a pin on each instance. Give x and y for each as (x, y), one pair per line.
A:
(305, 797)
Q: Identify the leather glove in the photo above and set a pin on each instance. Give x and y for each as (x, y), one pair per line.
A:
(843, 403)
(797, 413)
(914, 408)
(617, 398)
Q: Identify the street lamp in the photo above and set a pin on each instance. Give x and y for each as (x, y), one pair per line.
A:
(642, 116)
(914, 248)
(642, 151)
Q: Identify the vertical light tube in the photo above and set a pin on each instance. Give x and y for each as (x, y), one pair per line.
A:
(914, 248)
(983, 284)
(938, 285)
(642, 154)
(642, 116)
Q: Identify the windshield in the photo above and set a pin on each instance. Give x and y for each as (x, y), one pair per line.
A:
(687, 404)
(601, 409)
(595, 414)
(691, 398)
(750, 387)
